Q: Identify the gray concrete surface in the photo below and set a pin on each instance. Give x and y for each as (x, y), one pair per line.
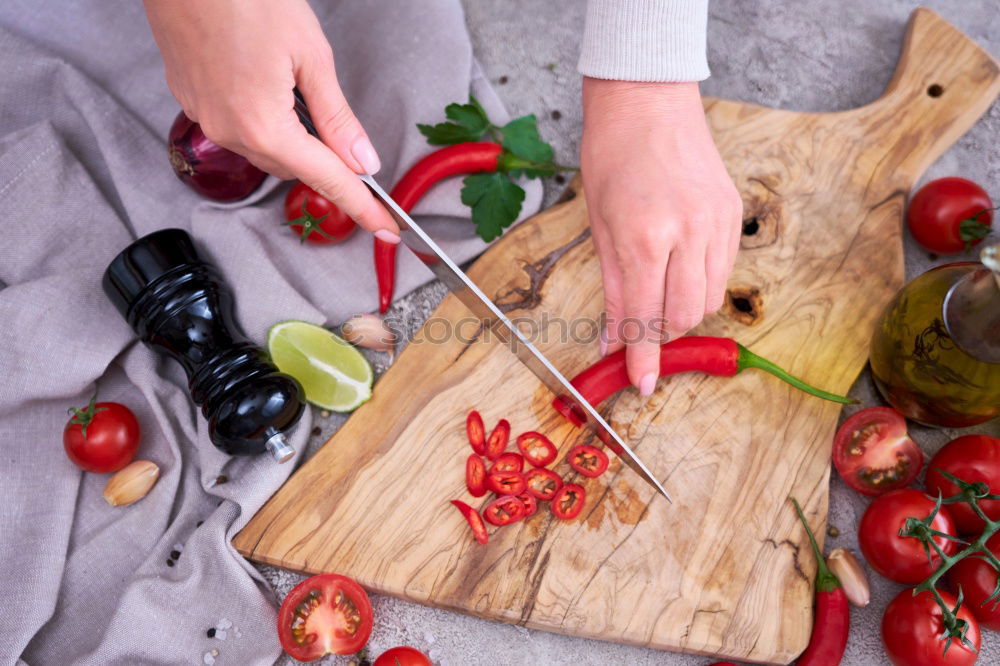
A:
(815, 55)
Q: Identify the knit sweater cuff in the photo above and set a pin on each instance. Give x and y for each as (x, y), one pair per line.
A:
(645, 40)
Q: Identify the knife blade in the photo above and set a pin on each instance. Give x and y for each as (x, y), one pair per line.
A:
(487, 311)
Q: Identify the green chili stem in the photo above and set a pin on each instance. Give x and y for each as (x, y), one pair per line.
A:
(825, 580)
(747, 359)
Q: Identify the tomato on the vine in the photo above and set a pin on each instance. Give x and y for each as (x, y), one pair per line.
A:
(402, 656)
(325, 614)
(977, 580)
(912, 629)
(101, 437)
(950, 215)
(973, 459)
(314, 218)
(873, 453)
(898, 558)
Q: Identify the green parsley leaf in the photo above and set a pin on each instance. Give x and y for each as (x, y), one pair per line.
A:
(495, 203)
(520, 136)
(468, 122)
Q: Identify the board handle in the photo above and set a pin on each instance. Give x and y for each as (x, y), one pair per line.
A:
(943, 83)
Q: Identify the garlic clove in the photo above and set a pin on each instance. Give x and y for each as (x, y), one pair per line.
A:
(848, 570)
(131, 483)
(369, 331)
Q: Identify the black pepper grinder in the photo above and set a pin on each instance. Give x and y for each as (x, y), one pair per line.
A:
(180, 305)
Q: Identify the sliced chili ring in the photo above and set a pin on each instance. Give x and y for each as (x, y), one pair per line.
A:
(475, 521)
(542, 483)
(475, 475)
(505, 483)
(476, 432)
(536, 448)
(568, 502)
(529, 502)
(508, 462)
(497, 442)
(588, 460)
(504, 511)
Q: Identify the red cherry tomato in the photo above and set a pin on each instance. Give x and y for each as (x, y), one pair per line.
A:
(542, 483)
(508, 462)
(476, 432)
(949, 215)
(568, 502)
(101, 437)
(474, 519)
(314, 218)
(504, 511)
(898, 558)
(972, 458)
(977, 580)
(475, 476)
(588, 460)
(912, 631)
(497, 442)
(536, 448)
(402, 656)
(505, 483)
(873, 454)
(326, 614)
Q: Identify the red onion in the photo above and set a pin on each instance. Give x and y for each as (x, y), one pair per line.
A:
(208, 168)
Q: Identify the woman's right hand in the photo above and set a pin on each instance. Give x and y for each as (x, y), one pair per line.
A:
(232, 65)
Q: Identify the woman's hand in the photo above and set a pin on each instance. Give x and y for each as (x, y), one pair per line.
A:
(664, 214)
(232, 65)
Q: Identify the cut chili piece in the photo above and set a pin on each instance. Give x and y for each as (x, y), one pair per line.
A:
(497, 442)
(504, 511)
(568, 502)
(529, 502)
(508, 462)
(475, 521)
(475, 475)
(588, 460)
(536, 448)
(476, 431)
(542, 483)
(506, 483)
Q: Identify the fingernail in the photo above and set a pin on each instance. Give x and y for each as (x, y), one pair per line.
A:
(647, 384)
(364, 153)
(387, 236)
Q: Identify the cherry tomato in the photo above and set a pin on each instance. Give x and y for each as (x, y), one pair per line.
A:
(588, 460)
(474, 519)
(977, 580)
(972, 458)
(504, 511)
(873, 454)
(476, 431)
(898, 558)
(542, 483)
(101, 437)
(402, 656)
(508, 462)
(314, 218)
(497, 442)
(529, 502)
(949, 215)
(325, 614)
(568, 501)
(475, 475)
(912, 631)
(505, 483)
(536, 448)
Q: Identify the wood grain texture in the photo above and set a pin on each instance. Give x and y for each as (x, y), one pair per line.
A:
(725, 570)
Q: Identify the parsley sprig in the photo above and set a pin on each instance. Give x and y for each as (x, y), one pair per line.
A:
(495, 199)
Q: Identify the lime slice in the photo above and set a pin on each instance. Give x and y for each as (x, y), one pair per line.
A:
(334, 374)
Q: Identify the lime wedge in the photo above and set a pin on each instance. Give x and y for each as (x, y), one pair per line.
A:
(334, 374)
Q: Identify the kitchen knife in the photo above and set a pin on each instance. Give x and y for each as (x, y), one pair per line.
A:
(486, 310)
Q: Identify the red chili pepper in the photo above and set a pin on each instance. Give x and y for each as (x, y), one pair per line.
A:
(588, 460)
(536, 448)
(568, 502)
(476, 432)
(529, 502)
(474, 519)
(833, 615)
(498, 440)
(721, 357)
(463, 158)
(475, 476)
(542, 483)
(504, 511)
(508, 462)
(506, 483)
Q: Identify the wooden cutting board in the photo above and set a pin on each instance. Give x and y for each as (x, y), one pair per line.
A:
(725, 569)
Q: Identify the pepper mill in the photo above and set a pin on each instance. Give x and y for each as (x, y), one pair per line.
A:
(181, 306)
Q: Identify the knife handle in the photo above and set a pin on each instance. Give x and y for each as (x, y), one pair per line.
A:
(302, 111)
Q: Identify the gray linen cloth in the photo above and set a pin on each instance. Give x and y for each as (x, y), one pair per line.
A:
(83, 171)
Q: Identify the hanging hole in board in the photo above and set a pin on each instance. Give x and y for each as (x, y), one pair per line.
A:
(744, 304)
(935, 90)
(751, 226)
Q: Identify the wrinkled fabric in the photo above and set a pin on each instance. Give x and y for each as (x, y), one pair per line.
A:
(83, 171)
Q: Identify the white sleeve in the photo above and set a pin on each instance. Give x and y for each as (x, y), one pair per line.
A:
(645, 40)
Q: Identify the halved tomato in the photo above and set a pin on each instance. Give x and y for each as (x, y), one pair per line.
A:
(504, 511)
(325, 614)
(568, 502)
(536, 448)
(505, 483)
(475, 475)
(588, 460)
(508, 462)
(498, 440)
(476, 432)
(873, 453)
(542, 483)
(474, 519)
